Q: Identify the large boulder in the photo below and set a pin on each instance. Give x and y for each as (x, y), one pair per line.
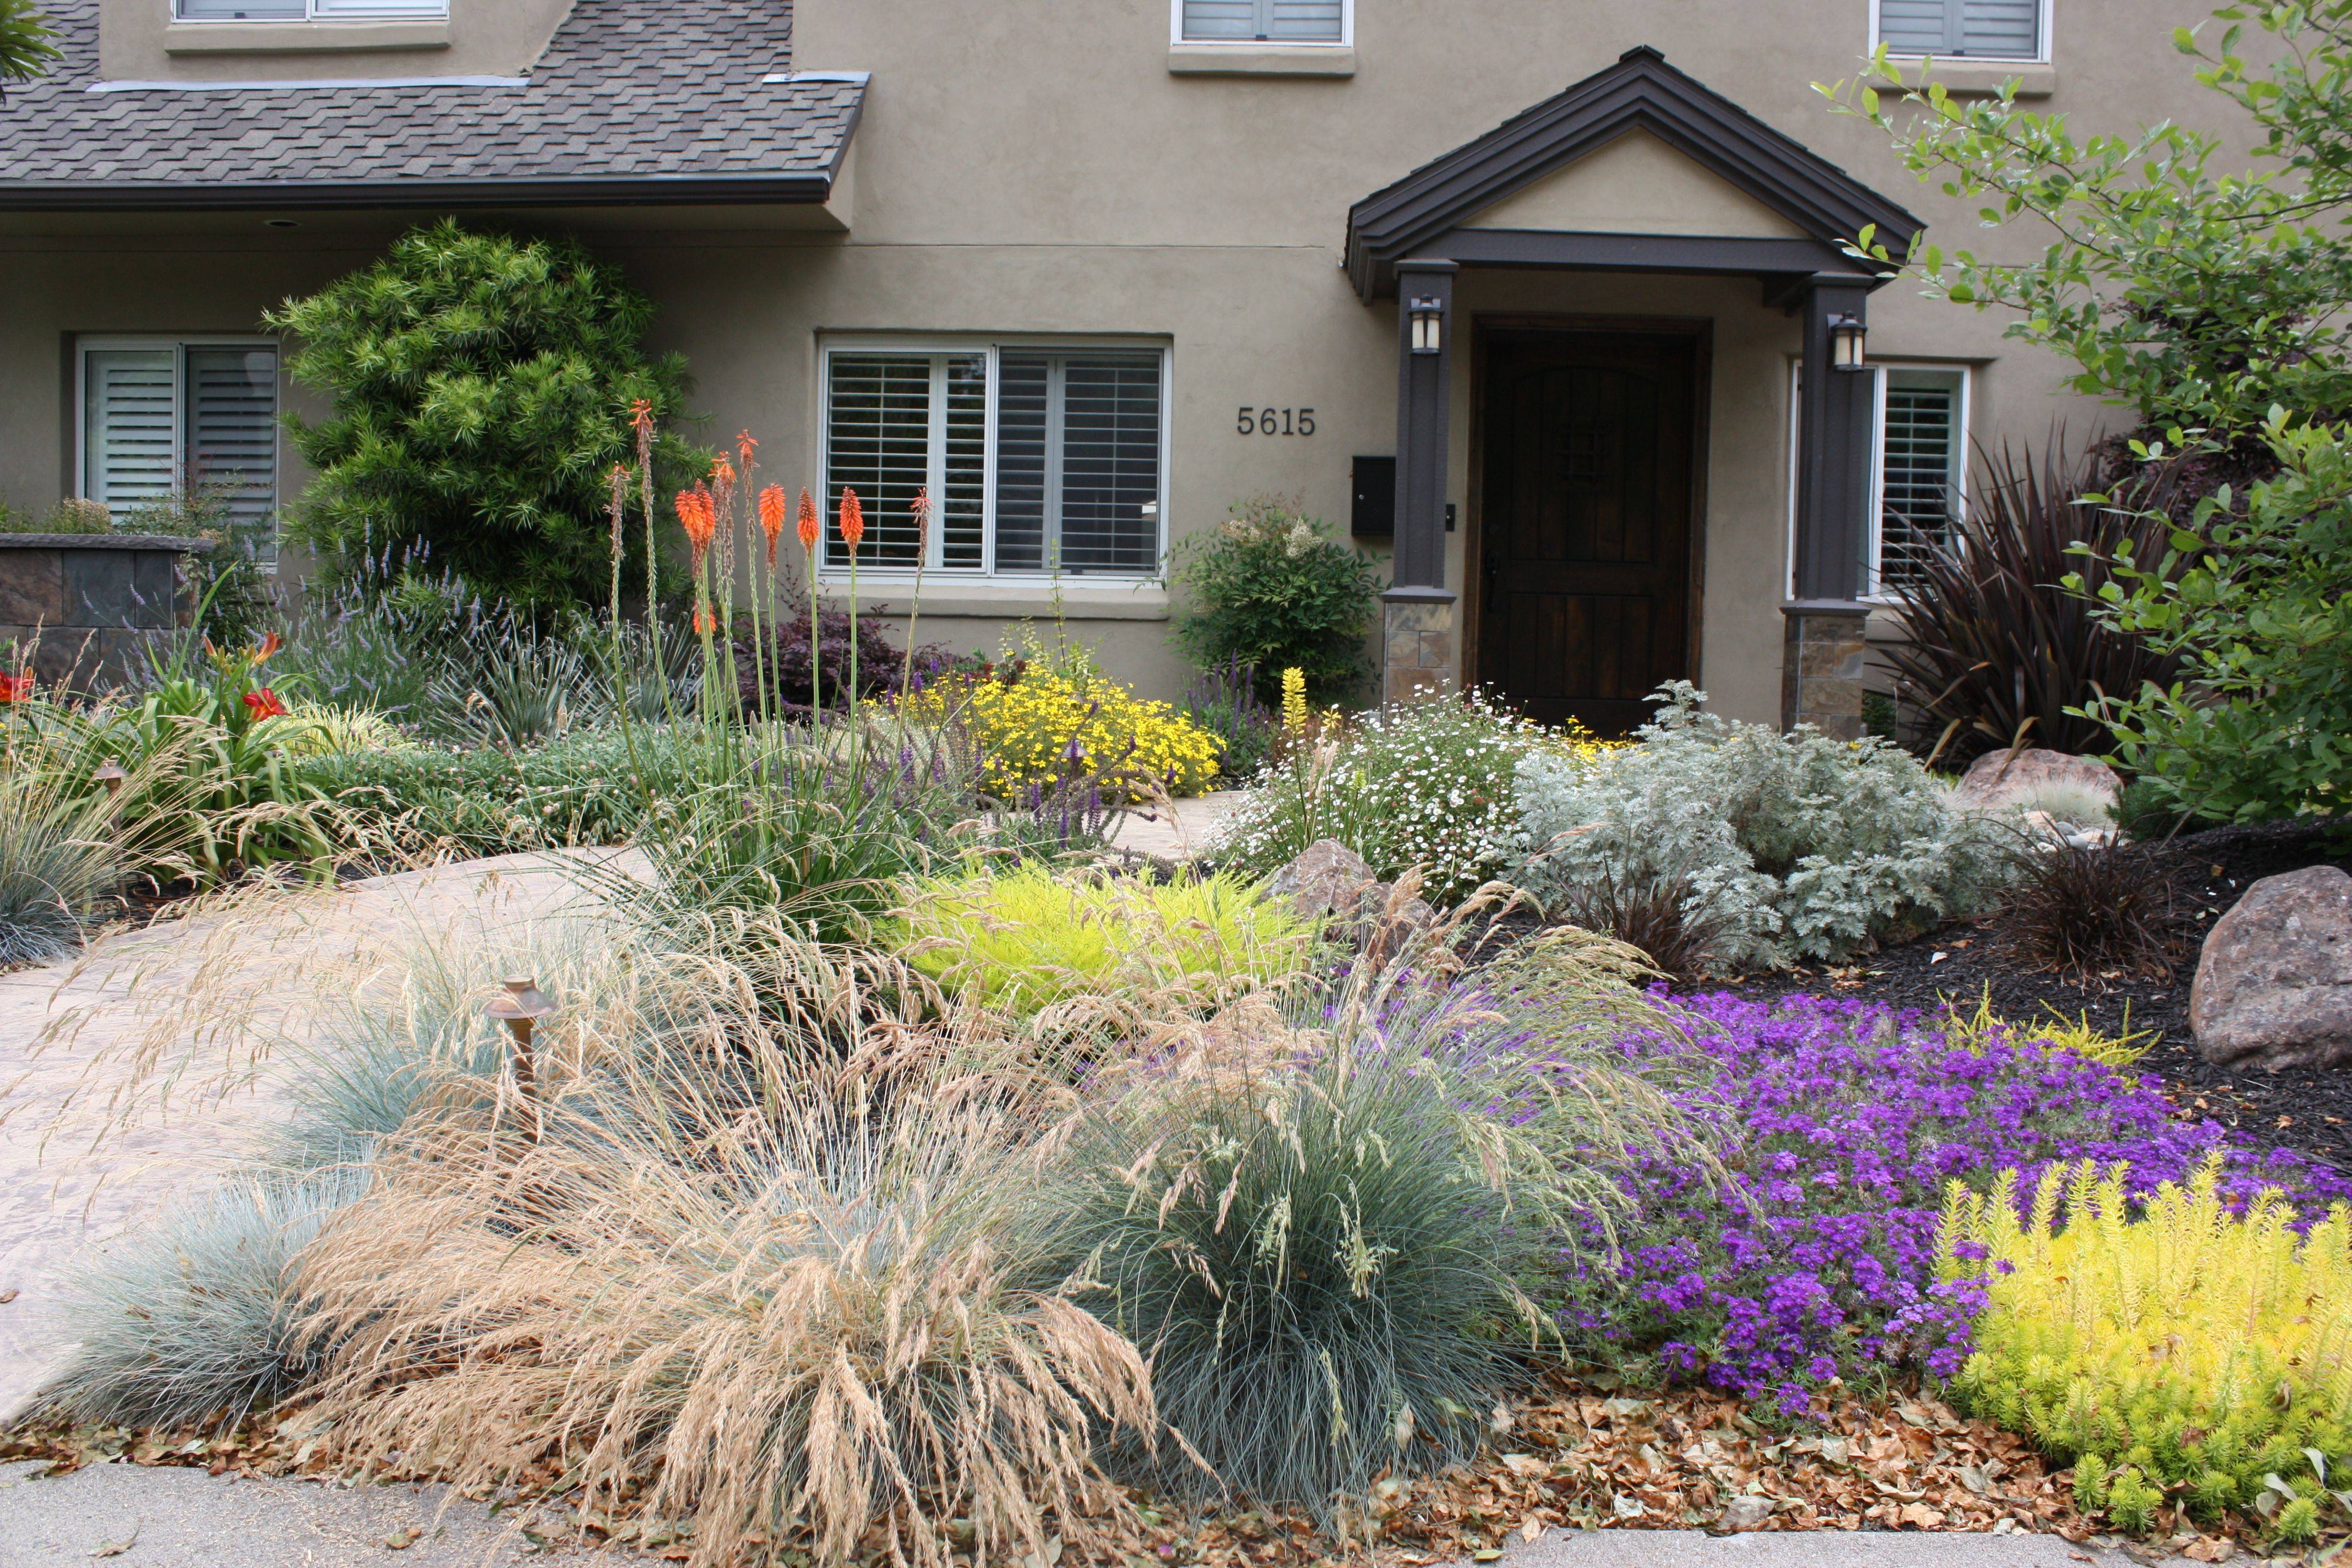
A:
(1329, 879)
(1997, 780)
(2274, 982)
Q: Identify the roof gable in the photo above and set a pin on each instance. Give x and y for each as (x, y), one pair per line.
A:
(1640, 94)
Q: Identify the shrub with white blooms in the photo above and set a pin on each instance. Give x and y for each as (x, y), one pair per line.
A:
(1429, 783)
(1788, 847)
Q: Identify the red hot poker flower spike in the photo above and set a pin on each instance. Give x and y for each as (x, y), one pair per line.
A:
(853, 517)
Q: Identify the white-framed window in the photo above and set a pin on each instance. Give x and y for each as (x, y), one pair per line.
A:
(1264, 21)
(309, 10)
(1963, 29)
(159, 415)
(1918, 466)
(1041, 458)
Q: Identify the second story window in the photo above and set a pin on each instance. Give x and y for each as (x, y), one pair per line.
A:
(307, 10)
(1262, 21)
(1965, 29)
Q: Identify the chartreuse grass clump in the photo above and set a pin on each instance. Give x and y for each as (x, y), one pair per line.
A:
(1025, 939)
(2179, 1356)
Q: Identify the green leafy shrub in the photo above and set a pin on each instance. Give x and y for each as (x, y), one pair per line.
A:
(1027, 938)
(1793, 847)
(1431, 784)
(1275, 590)
(482, 385)
(2187, 1341)
(2254, 598)
(586, 788)
(1312, 1214)
(200, 1320)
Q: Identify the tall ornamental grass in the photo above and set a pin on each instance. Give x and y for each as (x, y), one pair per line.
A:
(1314, 1214)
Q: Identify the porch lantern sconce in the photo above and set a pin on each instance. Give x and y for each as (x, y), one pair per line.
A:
(519, 1007)
(1428, 326)
(1848, 343)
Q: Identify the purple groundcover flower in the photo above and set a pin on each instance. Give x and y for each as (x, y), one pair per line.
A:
(1814, 1256)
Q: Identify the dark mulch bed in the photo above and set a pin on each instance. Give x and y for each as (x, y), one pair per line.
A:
(2308, 1108)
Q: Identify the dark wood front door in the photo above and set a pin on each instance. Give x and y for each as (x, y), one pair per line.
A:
(1585, 522)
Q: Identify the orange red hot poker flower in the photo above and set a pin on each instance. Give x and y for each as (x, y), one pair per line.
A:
(853, 518)
(773, 506)
(810, 529)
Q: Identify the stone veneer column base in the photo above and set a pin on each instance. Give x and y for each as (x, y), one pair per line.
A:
(1821, 664)
(1417, 643)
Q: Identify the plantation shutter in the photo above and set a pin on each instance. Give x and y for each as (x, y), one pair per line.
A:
(232, 436)
(1920, 469)
(130, 426)
(1078, 464)
(896, 425)
(1272, 21)
(1991, 29)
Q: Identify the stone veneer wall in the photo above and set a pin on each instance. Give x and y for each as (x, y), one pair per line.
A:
(84, 603)
(1822, 669)
(1416, 646)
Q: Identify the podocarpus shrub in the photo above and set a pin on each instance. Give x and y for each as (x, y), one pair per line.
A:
(1028, 938)
(2166, 1343)
(1431, 784)
(1273, 590)
(1793, 846)
(481, 384)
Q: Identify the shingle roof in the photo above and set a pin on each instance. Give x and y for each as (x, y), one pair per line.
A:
(634, 101)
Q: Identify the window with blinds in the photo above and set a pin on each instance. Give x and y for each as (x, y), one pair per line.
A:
(161, 418)
(307, 10)
(1264, 21)
(1921, 447)
(1043, 459)
(1986, 29)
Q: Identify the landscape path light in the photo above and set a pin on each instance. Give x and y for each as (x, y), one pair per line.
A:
(110, 778)
(519, 1007)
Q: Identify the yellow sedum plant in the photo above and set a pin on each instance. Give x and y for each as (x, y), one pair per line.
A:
(2186, 1357)
(1049, 725)
(1026, 939)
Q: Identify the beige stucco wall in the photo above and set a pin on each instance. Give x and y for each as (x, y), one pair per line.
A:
(140, 41)
(1038, 168)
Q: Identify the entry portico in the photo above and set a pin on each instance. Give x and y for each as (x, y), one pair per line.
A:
(1585, 543)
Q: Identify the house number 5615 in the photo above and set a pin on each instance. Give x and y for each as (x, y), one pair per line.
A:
(1277, 422)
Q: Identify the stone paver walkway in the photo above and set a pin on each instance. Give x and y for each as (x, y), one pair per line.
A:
(1176, 833)
(91, 1140)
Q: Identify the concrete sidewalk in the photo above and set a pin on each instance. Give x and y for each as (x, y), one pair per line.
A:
(184, 1519)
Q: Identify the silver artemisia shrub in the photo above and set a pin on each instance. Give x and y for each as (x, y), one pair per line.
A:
(1787, 847)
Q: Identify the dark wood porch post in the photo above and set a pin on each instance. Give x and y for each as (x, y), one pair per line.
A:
(1417, 632)
(1824, 650)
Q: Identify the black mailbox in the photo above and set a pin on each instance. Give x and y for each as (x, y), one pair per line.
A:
(1374, 514)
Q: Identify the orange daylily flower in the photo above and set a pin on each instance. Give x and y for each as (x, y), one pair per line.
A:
(270, 644)
(853, 517)
(809, 527)
(264, 704)
(17, 688)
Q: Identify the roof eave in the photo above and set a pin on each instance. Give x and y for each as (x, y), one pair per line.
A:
(281, 196)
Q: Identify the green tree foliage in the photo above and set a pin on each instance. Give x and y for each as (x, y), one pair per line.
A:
(1273, 590)
(482, 385)
(2200, 298)
(28, 45)
(2255, 595)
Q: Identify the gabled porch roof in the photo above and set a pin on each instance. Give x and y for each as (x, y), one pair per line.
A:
(1425, 214)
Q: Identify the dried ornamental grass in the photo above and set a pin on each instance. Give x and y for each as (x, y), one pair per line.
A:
(786, 1306)
(2177, 1348)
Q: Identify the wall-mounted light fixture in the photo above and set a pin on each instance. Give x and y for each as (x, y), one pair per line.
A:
(1428, 326)
(1848, 343)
